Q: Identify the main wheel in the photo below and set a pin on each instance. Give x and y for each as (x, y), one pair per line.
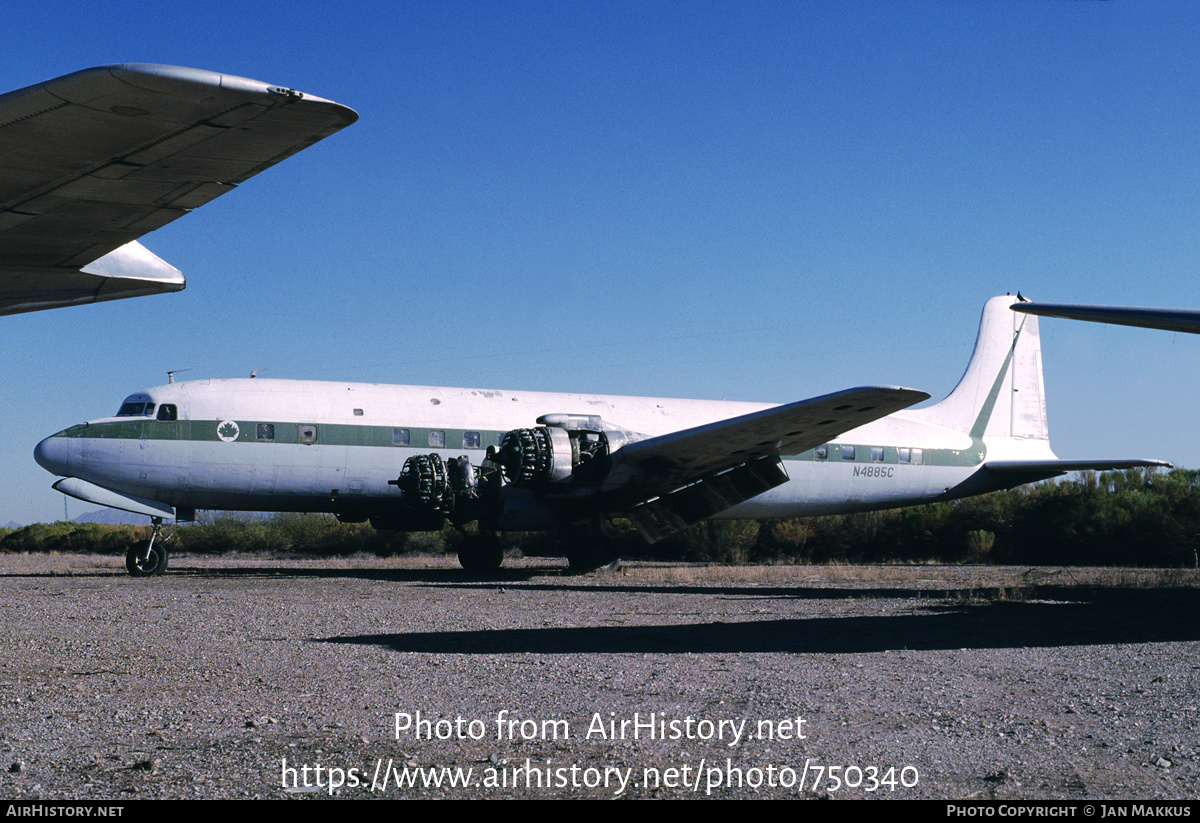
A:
(588, 555)
(480, 554)
(154, 563)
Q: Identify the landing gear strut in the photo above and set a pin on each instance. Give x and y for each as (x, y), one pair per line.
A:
(480, 553)
(588, 550)
(148, 557)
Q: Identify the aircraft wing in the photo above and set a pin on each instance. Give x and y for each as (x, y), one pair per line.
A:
(1168, 319)
(91, 161)
(681, 478)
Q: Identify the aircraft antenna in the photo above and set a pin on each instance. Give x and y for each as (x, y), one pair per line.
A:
(171, 374)
(254, 373)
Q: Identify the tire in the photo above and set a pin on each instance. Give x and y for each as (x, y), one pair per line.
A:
(480, 554)
(155, 564)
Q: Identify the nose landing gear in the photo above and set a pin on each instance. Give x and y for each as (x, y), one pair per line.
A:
(148, 557)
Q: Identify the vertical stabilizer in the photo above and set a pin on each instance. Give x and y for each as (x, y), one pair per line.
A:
(1002, 393)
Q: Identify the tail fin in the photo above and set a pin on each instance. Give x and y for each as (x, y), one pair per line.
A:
(1002, 393)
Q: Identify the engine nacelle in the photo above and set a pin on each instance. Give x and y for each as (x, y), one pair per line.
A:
(424, 484)
(566, 448)
(534, 457)
(432, 489)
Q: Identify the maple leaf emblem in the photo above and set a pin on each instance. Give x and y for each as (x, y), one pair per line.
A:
(228, 430)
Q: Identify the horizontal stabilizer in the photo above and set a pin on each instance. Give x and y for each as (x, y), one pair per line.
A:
(1052, 468)
(1184, 320)
(91, 493)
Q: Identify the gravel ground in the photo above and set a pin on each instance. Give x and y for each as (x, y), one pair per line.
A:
(232, 678)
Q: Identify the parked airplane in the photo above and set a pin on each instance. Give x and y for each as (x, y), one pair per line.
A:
(1185, 320)
(92, 161)
(411, 457)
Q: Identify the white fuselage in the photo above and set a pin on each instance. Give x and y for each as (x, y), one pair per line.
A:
(280, 445)
(414, 457)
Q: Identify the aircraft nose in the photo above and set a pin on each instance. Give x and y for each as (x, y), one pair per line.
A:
(54, 454)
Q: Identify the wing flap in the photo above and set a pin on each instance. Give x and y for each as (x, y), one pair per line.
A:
(663, 516)
(130, 271)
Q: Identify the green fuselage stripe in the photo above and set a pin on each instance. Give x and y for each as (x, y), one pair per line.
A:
(340, 434)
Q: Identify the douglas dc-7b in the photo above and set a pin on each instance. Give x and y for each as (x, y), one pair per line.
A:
(412, 457)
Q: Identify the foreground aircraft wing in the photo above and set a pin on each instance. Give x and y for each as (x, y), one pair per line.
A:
(1168, 319)
(91, 161)
(686, 476)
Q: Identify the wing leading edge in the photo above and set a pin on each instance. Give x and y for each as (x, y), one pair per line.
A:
(92, 161)
(681, 478)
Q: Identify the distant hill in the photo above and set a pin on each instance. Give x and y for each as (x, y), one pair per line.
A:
(112, 517)
(116, 517)
(108, 517)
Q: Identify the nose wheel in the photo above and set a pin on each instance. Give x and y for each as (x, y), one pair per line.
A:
(148, 557)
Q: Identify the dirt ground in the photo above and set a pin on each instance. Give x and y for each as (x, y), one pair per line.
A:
(359, 678)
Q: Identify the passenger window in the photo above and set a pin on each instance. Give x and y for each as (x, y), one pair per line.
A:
(266, 432)
(904, 455)
(399, 437)
(471, 440)
(822, 452)
(847, 452)
(877, 454)
(437, 439)
(308, 435)
(918, 456)
(168, 412)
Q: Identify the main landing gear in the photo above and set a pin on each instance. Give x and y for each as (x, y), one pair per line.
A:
(588, 549)
(480, 553)
(148, 557)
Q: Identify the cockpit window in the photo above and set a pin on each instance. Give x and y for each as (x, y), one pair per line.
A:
(167, 411)
(142, 408)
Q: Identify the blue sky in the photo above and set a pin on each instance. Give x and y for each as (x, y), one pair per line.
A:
(763, 201)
